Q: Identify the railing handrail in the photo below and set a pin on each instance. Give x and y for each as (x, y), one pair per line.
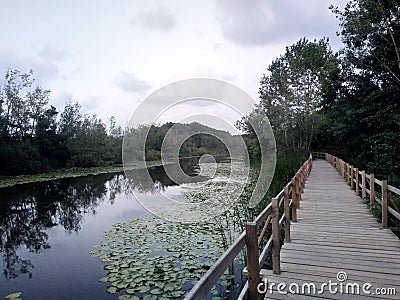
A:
(367, 185)
(295, 187)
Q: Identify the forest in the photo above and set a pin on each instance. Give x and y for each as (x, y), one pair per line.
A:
(345, 102)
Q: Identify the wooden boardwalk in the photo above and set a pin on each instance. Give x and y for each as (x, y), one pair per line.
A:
(336, 232)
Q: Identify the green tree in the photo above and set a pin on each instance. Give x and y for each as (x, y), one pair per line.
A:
(370, 30)
(292, 91)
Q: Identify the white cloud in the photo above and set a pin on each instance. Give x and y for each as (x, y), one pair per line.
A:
(161, 19)
(43, 70)
(130, 83)
(261, 22)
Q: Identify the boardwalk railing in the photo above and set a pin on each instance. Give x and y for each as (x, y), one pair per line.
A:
(290, 197)
(364, 184)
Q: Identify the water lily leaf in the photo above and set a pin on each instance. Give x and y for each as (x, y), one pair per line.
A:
(111, 289)
(104, 279)
(14, 296)
(156, 291)
(122, 285)
(143, 289)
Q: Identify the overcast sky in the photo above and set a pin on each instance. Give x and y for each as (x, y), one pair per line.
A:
(110, 55)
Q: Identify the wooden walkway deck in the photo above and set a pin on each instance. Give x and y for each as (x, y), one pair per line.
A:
(336, 233)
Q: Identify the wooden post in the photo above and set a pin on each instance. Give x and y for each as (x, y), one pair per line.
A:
(357, 185)
(384, 203)
(343, 163)
(298, 195)
(344, 170)
(253, 268)
(348, 174)
(294, 201)
(363, 185)
(352, 178)
(287, 214)
(276, 241)
(372, 189)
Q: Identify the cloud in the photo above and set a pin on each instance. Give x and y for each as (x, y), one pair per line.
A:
(52, 53)
(161, 19)
(43, 70)
(130, 83)
(261, 22)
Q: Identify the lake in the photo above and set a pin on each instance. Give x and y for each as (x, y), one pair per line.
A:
(88, 238)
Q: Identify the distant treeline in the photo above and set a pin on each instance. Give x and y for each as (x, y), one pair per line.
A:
(197, 139)
(35, 137)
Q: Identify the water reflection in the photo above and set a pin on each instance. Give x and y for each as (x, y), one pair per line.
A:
(28, 211)
(159, 178)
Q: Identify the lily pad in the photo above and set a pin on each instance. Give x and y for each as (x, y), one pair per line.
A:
(14, 296)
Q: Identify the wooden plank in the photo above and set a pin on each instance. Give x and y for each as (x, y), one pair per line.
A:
(316, 270)
(394, 190)
(386, 263)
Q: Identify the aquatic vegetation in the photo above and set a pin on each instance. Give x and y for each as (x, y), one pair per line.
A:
(150, 257)
(153, 258)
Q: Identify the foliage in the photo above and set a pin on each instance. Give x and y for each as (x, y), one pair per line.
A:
(370, 30)
(362, 119)
(291, 93)
(36, 137)
(197, 139)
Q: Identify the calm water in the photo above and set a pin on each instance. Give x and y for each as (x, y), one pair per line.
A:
(48, 229)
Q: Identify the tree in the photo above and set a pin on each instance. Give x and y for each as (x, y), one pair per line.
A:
(14, 103)
(291, 94)
(70, 119)
(370, 29)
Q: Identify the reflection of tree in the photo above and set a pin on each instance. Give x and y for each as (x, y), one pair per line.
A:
(27, 211)
(138, 179)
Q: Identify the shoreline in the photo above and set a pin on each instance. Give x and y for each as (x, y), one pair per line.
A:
(10, 181)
